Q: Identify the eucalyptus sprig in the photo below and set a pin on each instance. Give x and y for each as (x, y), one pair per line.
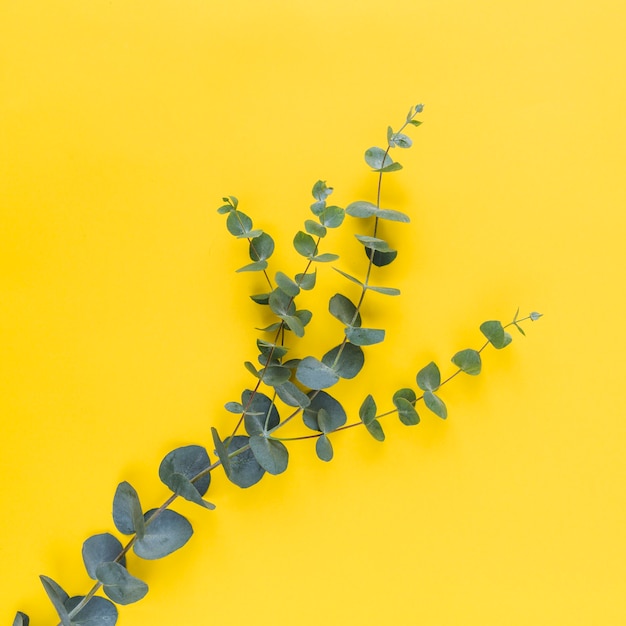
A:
(285, 380)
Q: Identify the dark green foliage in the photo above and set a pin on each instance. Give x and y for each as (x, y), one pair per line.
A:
(186, 471)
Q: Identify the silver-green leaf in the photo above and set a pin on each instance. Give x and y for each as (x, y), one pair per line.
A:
(119, 585)
(100, 549)
(166, 533)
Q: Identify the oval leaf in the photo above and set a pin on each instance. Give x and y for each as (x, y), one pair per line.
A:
(58, 597)
(272, 455)
(364, 336)
(335, 413)
(377, 158)
(495, 333)
(97, 612)
(376, 430)
(323, 448)
(429, 377)
(287, 285)
(406, 412)
(245, 470)
(119, 585)
(291, 395)
(435, 404)
(261, 413)
(261, 247)
(346, 360)
(367, 412)
(165, 534)
(127, 515)
(304, 244)
(100, 549)
(468, 361)
(315, 374)
(344, 310)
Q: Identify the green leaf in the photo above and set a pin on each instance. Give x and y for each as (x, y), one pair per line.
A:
(119, 585)
(344, 310)
(519, 328)
(393, 167)
(127, 515)
(364, 336)
(350, 278)
(377, 158)
(272, 455)
(435, 404)
(291, 395)
(380, 259)
(281, 303)
(304, 244)
(220, 450)
(318, 207)
(534, 316)
(245, 470)
(239, 224)
(335, 413)
(387, 291)
(294, 323)
(97, 612)
(166, 533)
(58, 597)
(315, 374)
(256, 266)
(250, 367)
(429, 377)
(287, 285)
(234, 407)
(180, 466)
(306, 281)
(271, 328)
(495, 333)
(416, 122)
(323, 448)
(261, 298)
(376, 430)
(321, 191)
(275, 375)
(400, 140)
(314, 228)
(100, 549)
(367, 412)
(374, 243)
(261, 247)
(21, 619)
(332, 216)
(261, 414)
(468, 361)
(349, 363)
(404, 401)
(324, 421)
(365, 209)
(327, 257)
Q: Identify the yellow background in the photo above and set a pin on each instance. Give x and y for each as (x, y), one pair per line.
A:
(123, 327)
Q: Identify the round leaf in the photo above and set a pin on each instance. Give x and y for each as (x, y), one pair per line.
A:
(377, 158)
(495, 333)
(100, 549)
(188, 462)
(429, 377)
(323, 448)
(304, 244)
(97, 612)
(315, 374)
(168, 532)
(344, 310)
(468, 361)
(346, 360)
(119, 585)
(335, 413)
(261, 247)
(261, 414)
(272, 455)
(245, 470)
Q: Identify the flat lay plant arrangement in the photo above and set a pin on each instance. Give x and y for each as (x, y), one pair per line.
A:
(284, 386)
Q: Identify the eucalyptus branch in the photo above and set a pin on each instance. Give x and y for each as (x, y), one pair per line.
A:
(254, 446)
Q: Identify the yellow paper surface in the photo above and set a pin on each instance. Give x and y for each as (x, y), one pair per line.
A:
(124, 327)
